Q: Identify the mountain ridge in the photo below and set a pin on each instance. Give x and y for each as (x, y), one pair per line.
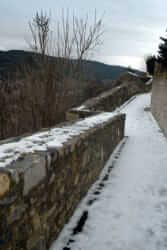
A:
(11, 59)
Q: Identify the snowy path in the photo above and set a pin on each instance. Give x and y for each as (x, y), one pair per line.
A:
(131, 212)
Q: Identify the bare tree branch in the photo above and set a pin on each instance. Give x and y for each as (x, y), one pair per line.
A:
(73, 39)
(40, 29)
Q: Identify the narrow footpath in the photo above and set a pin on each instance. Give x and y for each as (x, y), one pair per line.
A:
(131, 211)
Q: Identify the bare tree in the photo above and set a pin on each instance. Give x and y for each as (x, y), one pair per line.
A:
(40, 29)
(73, 39)
(87, 36)
(77, 38)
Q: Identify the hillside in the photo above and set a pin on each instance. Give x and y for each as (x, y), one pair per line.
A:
(11, 60)
(104, 71)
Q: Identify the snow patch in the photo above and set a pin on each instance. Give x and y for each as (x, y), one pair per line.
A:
(149, 82)
(56, 137)
(80, 108)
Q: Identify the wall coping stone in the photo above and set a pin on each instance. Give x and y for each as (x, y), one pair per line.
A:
(30, 167)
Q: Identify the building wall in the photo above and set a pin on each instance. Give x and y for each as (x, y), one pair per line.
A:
(159, 101)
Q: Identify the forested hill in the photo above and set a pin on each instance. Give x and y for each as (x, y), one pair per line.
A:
(10, 60)
(104, 71)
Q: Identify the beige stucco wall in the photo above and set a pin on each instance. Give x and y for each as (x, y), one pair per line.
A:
(159, 99)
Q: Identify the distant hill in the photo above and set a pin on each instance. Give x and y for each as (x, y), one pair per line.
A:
(104, 71)
(12, 59)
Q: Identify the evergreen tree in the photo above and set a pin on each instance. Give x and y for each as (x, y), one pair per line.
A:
(162, 52)
(150, 64)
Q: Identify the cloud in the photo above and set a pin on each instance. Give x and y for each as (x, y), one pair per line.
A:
(2, 48)
(132, 27)
(127, 61)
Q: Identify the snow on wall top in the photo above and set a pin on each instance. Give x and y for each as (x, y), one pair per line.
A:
(133, 74)
(149, 81)
(54, 137)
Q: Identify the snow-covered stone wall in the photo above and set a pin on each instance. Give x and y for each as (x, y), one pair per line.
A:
(28, 106)
(44, 176)
(130, 84)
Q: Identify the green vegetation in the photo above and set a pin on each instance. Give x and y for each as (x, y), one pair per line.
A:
(150, 64)
(162, 52)
(161, 57)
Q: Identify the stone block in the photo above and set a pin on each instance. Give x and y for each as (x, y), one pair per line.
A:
(35, 173)
(16, 212)
(4, 184)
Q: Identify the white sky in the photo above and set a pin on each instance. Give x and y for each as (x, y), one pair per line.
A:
(132, 27)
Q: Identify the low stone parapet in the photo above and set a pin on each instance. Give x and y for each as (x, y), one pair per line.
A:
(43, 177)
(130, 85)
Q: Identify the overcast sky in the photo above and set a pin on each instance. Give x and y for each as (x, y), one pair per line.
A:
(132, 27)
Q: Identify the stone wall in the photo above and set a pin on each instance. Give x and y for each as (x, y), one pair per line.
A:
(39, 191)
(159, 98)
(29, 105)
(128, 86)
(44, 182)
